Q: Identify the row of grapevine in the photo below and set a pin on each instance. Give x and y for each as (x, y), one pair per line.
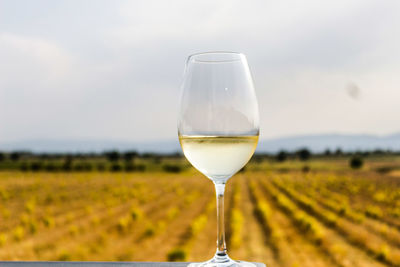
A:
(108, 216)
(377, 248)
(32, 222)
(263, 213)
(344, 210)
(311, 228)
(181, 252)
(236, 219)
(371, 197)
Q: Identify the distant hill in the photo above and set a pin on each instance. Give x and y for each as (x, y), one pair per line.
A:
(316, 143)
(319, 143)
(52, 146)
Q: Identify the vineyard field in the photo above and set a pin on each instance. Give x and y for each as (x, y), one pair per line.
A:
(281, 215)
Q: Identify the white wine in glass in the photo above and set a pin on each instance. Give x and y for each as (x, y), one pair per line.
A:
(218, 126)
(218, 157)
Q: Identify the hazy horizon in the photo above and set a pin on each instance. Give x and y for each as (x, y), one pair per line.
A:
(316, 143)
(83, 138)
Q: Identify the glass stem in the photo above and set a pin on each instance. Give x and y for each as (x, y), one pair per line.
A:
(221, 245)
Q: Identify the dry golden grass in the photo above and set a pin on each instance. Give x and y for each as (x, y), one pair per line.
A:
(322, 218)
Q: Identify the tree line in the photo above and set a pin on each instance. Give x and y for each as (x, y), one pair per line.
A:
(116, 161)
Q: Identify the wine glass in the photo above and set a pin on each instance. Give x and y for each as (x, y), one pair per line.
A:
(218, 126)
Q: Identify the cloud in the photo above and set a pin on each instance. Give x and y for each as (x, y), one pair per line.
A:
(31, 61)
(104, 70)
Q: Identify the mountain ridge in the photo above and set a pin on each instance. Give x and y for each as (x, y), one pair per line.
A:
(314, 142)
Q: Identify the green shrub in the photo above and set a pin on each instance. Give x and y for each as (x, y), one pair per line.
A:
(177, 254)
(140, 167)
(67, 164)
(24, 166)
(149, 231)
(172, 168)
(32, 226)
(283, 170)
(130, 155)
(305, 169)
(83, 167)
(112, 156)
(383, 253)
(64, 256)
(87, 166)
(49, 198)
(14, 156)
(356, 162)
(116, 167)
(48, 221)
(36, 166)
(123, 224)
(129, 167)
(303, 154)
(136, 213)
(78, 167)
(281, 156)
(385, 169)
(374, 212)
(51, 167)
(396, 212)
(101, 167)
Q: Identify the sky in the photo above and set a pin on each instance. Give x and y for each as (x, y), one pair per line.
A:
(112, 69)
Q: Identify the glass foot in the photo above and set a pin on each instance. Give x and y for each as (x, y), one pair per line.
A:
(222, 261)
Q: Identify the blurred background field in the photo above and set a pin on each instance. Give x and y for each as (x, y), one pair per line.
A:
(287, 209)
(98, 75)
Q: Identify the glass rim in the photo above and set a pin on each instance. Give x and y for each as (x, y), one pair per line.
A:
(195, 57)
